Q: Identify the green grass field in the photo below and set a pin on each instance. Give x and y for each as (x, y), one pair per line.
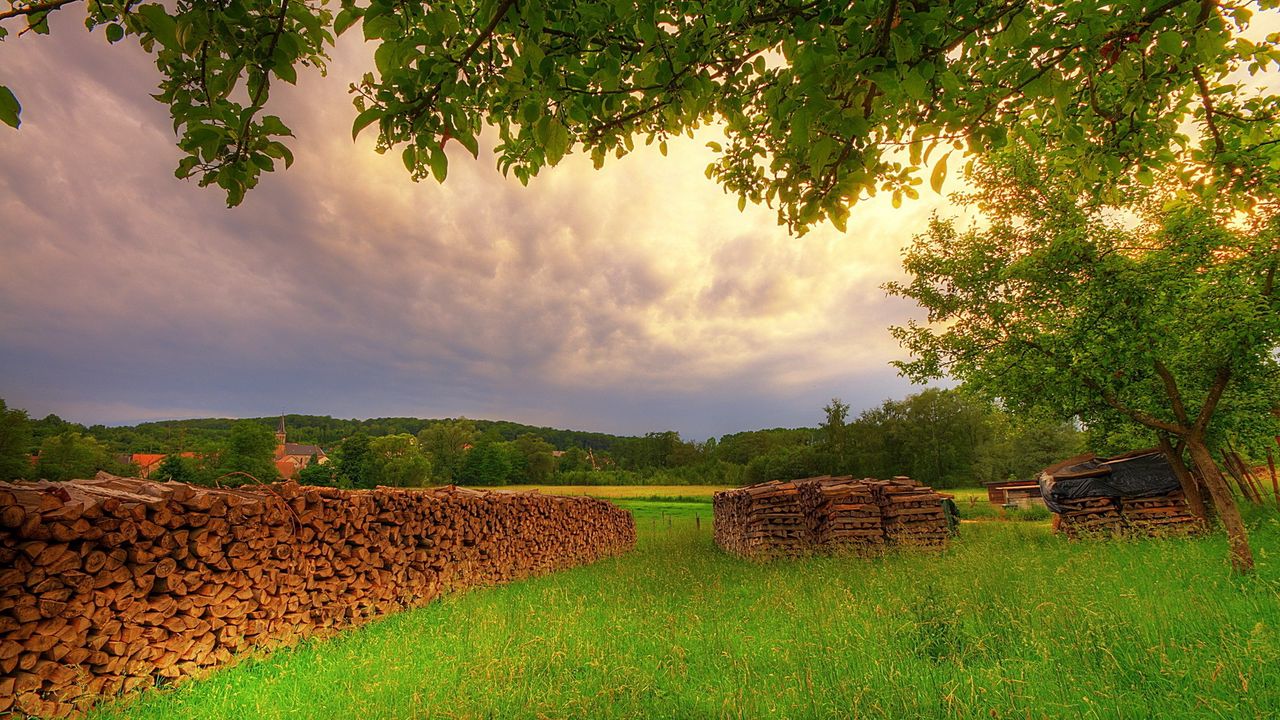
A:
(614, 492)
(1011, 622)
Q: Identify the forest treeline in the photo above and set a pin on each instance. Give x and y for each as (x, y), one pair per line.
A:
(946, 438)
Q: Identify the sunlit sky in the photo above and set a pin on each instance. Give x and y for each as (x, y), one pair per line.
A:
(629, 299)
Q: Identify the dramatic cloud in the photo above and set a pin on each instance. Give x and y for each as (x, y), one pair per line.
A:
(628, 299)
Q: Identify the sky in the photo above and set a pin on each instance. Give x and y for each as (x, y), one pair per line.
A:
(629, 299)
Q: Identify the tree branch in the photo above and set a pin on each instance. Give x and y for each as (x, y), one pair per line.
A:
(1209, 113)
(34, 8)
(1144, 418)
(256, 103)
(1220, 380)
(1171, 389)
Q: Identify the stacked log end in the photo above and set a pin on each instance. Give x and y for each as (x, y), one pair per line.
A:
(114, 584)
(768, 518)
(847, 515)
(1157, 515)
(913, 513)
(828, 515)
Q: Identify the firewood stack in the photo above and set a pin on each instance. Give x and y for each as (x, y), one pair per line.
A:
(827, 514)
(912, 512)
(1161, 514)
(1090, 515)
(114, 584)
(846, 515)
(764, 519)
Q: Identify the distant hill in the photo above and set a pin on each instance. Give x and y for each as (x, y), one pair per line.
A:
(194, 434)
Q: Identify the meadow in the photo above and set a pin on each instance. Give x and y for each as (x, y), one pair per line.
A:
(1010, 622)
(617, 492)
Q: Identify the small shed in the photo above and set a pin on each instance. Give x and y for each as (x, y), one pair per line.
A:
(1014, 492)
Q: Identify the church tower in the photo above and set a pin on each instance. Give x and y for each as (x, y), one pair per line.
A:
(280, 433)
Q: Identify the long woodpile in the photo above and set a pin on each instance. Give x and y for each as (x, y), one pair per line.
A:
(827, 514)
(114, 584)
(1161, 514)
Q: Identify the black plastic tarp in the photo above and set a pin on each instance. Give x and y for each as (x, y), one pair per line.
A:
(1133, 475)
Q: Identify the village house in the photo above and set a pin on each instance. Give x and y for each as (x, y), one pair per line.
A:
(292, 457)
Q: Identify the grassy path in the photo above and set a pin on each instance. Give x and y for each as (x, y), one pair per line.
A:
(1010, 623)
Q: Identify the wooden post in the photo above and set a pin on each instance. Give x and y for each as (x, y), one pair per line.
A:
(1275, 483)
(697, 519)
(1254, 486)
(1235, 475)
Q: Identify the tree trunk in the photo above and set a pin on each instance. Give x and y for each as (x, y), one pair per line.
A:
(1225, 503)
(1189, 487)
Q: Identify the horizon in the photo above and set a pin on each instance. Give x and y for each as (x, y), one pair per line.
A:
(35, 417)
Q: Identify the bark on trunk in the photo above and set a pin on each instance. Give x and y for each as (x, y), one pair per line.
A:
(1225, 503)
(1189, 487)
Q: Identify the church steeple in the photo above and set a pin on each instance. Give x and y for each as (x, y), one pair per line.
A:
(280, 432)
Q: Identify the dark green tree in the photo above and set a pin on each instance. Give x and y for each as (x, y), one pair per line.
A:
(249, 455)
(397, 461)
(488, 463)
(72, 455)
(447, 443)
(177, 469)
(836, 438)
(15, 443)
(325, 474)
(354, 464)
(536, 461)
(575, 459)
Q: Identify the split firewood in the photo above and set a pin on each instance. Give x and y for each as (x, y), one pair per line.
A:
(828, 514)
(111, 584)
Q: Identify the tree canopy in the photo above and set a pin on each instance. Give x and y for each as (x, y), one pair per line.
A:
(249, 455)
(1063, 304)
(15, 443)
(822, 103)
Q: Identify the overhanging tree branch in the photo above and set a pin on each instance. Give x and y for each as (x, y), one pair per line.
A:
(34, 8)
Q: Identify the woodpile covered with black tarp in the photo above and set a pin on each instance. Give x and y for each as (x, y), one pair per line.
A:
(115, 584)
(1137, 492)
(827, 515)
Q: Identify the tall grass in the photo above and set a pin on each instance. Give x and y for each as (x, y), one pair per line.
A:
(1011, 622)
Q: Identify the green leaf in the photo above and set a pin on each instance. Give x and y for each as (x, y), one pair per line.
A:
(281, 151)
(364, 119)
(1170, 42)
(439, 164)
(939, 173)
(915, 85)
(161, 25)
(115, 33)
(10, 109)
(557, 142)
(346, 18)
(468, 141)
(410, 158)
(286, 72)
